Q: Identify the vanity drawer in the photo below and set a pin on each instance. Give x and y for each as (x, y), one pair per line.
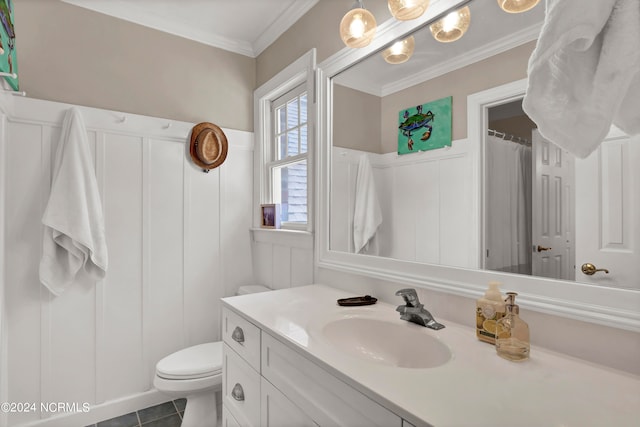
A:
(242, 336)
(320, 395)
(240, 389)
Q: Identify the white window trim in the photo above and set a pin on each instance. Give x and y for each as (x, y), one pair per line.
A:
(299, 72)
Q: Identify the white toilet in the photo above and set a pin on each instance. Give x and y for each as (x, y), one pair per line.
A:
(196, 373)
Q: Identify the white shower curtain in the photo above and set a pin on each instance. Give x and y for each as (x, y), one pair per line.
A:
(508, 206)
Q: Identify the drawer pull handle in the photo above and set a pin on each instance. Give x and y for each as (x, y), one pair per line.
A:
(238, 335)
(237, 393)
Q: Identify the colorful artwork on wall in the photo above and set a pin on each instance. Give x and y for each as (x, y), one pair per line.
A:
(425, 127)
(8, 62)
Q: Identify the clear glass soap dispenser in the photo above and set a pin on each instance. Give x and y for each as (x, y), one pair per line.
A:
(512, 333)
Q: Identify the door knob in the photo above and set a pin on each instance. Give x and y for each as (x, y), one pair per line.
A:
(590, 269)
(542, 249)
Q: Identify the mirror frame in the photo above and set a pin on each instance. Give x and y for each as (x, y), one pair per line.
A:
(613, 307)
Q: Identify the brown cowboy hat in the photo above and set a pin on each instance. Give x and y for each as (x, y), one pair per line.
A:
(208, 147)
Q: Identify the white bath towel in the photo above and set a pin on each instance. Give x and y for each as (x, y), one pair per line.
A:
(74, 236)
(584, 73)
(367, 215)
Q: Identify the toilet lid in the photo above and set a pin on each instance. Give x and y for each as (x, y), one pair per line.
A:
(199, 361)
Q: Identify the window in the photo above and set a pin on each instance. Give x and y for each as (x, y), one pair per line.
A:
(288, 165)
(284, 112)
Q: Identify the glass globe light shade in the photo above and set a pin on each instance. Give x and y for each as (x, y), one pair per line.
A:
(517, 6)
(400, 51)
(357, 28)
(405, 10)
(453, 26)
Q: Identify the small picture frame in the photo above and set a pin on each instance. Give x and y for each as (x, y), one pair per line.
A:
(270, 215)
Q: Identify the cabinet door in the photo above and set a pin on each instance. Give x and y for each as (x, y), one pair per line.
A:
(278, 411)
(326, 399)
(240, 389)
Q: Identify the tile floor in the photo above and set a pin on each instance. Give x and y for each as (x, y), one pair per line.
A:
(168, 414)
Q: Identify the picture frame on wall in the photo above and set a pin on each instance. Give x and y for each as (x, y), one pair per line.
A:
(425, 127)
(270, 215)
(8, 61)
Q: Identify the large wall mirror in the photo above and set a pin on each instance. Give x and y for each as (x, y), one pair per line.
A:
(499, 203)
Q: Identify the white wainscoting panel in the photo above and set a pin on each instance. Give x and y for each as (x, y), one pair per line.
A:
(178, 241)
(425, 200)
(282, 258)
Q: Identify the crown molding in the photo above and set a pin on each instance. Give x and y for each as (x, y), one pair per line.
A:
(501, 45)
(136, 14)
(282, 24)
(361, 86)
(141, 16)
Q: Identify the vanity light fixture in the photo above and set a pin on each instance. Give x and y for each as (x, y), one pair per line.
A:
(453, 26)
(358, 26)
(404, 10)
(517, 6)
(400, 51)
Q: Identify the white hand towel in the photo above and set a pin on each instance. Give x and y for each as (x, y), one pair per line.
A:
(367, 215)
(74, 236)
(584, 73)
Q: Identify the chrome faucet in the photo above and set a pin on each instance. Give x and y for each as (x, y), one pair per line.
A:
(414, 311)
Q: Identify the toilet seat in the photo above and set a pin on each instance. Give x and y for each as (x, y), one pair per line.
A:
(198, 361)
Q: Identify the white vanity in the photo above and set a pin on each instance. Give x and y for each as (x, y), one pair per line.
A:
(295, 358)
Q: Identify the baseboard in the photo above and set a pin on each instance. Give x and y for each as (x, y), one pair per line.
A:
(103, 411)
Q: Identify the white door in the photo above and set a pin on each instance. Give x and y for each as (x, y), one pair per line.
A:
(552, 217)
(608, 212)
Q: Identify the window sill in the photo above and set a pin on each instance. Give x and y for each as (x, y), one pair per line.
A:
(283, 236)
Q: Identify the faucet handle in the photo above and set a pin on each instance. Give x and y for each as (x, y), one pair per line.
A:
(410, 297)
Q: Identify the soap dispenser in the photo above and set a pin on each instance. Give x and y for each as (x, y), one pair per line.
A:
(489, 309)
(512, 333)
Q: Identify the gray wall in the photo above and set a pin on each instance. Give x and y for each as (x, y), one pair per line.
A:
(73, 55)
(356, 120)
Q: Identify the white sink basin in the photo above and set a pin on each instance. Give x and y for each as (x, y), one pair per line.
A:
(403, 345)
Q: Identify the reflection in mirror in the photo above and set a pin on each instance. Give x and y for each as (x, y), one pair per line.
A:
(507, 190)
(538, 211)
(550, 214)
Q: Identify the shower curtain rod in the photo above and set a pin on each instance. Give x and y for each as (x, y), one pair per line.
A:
(509, 137)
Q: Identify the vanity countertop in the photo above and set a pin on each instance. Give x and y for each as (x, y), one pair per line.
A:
(474, 388)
